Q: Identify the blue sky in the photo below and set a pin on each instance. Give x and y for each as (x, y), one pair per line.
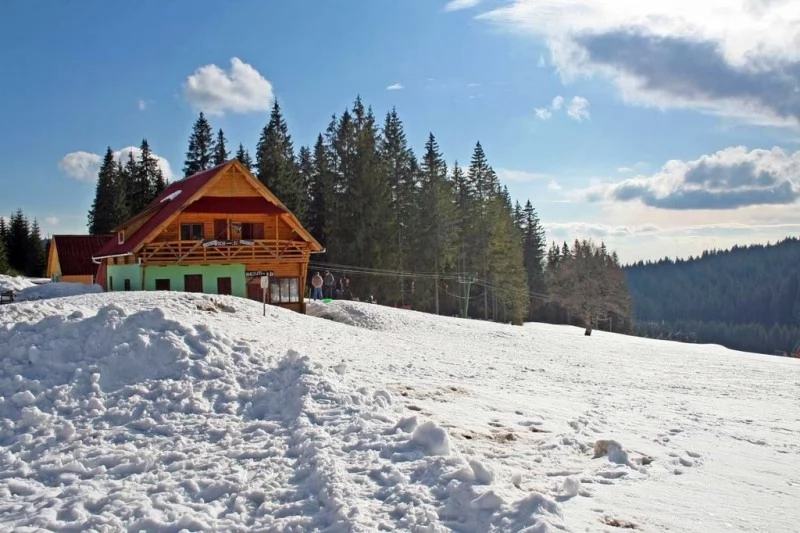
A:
(646, 127)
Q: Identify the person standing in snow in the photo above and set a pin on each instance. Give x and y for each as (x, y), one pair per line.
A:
(329, 284)
(316, 282)
(346, 288)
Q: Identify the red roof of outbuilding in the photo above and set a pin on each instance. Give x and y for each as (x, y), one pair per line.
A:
(75, 253)
(166, 204)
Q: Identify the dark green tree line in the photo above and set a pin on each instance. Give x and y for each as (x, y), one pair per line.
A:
(23, 251)
(746, 298)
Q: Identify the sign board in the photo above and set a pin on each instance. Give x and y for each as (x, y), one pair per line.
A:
(258, 273)
(216, 242)
(264, 282)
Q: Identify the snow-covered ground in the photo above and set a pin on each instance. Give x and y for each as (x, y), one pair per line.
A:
(43, 289)
(173, 411)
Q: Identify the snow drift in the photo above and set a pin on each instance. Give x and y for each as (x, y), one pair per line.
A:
(170, 412)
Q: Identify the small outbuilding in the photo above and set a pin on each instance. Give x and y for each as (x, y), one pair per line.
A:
(70, 257)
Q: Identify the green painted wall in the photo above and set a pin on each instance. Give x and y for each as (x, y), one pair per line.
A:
(122, 272)
(210, 274)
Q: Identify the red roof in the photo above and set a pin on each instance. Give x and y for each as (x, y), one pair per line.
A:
(171, 199)
(75, 253)
(234, 205)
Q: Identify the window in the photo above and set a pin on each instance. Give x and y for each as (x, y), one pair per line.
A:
(162, 284)
(191, 232)
(121, 237)
(252, 231)
(127, 284)
(284, 290)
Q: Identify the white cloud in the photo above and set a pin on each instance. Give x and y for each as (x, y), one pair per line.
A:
(395, 87)
(624, 170)
(579, 109)
(51, 221)
(241, 90)
(729, 179)
(457, 5)
(738, 58)
(520, 176)
(84, 166)
(542, 63)
(554, 186)
(141, 104)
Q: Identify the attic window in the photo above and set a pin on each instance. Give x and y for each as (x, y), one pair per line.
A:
(121, 237)
(171, 196)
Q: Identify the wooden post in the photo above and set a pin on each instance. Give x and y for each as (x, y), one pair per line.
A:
(264, 286)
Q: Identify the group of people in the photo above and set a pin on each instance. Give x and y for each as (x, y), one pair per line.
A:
(328, 287)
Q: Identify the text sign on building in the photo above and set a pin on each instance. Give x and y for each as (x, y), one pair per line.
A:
(258, 273)
(209, 244)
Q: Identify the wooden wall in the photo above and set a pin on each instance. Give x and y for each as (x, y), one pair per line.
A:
(274, 226)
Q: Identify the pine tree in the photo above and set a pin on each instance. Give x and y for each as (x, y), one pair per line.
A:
(201, 147)
(18, 242)
(436, 245)
(5, 267)
(400, 164)
(220, 152)
(244, 158)
(122, 187)
(305, 167)
(276, 165)
(148, 177)
(480, 181)
(130, 176)
(533, 246)
(103, 215)
(321, 193)
(508, 297)
(367, 231)
(35, 258)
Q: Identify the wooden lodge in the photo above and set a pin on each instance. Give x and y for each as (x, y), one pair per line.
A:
(69, 257)
(217, 232)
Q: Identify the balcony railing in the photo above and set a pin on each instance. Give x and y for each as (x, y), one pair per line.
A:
(217, 251)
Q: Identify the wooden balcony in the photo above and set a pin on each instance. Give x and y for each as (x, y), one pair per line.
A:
(210, 252)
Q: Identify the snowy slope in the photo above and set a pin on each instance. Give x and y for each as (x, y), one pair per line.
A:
(172, 411)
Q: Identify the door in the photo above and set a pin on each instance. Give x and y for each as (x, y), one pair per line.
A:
(193, 283)
(254, 291)
(221, 229)
(224, 286)
(162, 284)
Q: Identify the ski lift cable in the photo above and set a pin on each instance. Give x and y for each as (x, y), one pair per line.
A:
(395, 273)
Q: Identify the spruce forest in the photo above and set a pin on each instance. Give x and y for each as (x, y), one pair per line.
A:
(407, 230)
(746, 298)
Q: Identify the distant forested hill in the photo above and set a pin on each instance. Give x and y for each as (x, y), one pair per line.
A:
(745, 298)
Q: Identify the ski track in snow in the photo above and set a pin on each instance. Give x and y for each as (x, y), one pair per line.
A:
(172, 411)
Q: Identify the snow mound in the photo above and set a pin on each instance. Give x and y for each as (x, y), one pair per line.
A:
(55, 290)
(181, 415)
(14, 283)
(389, 319)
